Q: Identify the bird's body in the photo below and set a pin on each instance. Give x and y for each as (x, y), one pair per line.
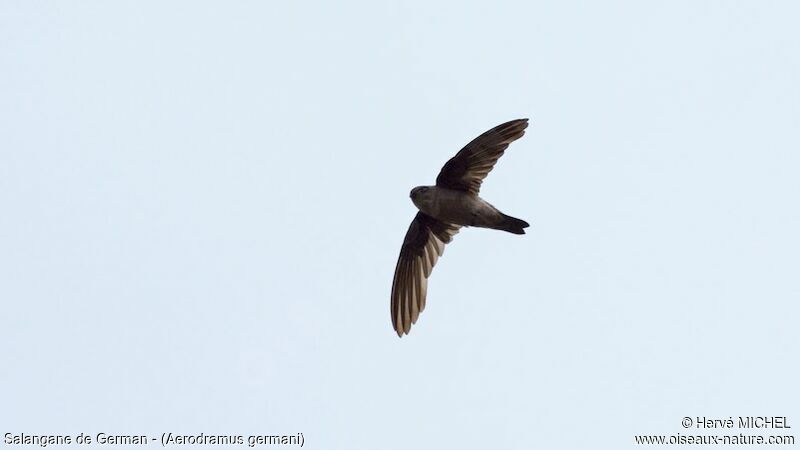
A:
(443, 209)
(461, 208)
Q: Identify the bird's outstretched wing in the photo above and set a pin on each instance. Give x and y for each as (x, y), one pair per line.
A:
(422, 246)
(466, 170)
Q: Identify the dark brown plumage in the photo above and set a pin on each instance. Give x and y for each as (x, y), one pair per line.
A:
(466, 170)
(422, 247)
(458, 185)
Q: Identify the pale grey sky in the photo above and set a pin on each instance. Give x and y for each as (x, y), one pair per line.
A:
(203, 202)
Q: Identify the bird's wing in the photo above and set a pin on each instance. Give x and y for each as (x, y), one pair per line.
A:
(422, 246)
(466, 170)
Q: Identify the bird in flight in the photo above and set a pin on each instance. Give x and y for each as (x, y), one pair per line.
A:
(443, 209)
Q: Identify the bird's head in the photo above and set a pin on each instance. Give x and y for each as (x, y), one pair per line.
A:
(418, 191)
(420, 195)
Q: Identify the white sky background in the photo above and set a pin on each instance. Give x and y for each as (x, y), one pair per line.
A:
(203, 203)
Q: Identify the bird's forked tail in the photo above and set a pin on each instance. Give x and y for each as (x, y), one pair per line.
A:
(512, 225)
